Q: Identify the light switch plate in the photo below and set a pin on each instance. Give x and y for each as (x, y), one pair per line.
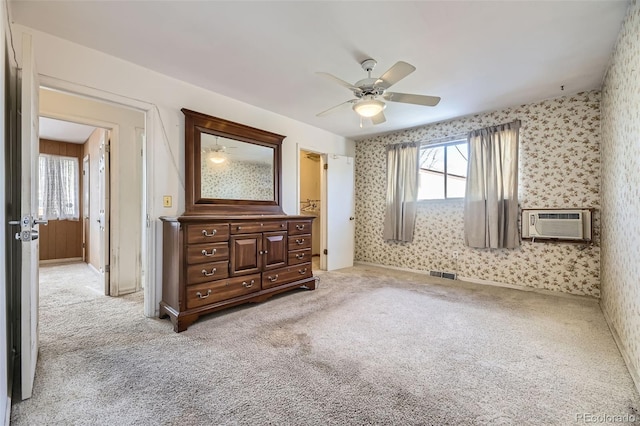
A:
(166, 201)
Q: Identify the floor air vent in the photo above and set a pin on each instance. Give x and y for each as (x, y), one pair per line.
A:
(447, 275)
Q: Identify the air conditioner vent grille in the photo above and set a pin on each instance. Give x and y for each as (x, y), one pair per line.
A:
(559, 215)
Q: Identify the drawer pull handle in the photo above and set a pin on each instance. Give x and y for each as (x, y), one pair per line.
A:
(205, 253)
(300, 242)
(299, 256)
(264, 251)
(208, 274)
(302, 271)
(200, 296)
(239, 228)
(273, 279)
(206, 234)
(248, 284)
(299, 227)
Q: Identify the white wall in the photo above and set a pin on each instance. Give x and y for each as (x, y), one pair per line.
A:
(106, 76)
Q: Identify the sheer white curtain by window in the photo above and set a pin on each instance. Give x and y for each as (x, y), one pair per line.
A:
(491, 201)
(402, 191)
(58, 187)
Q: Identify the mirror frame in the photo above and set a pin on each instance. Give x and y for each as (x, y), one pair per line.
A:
(197, 123)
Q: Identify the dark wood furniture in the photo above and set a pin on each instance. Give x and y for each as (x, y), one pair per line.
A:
(226, 252)
(211, 263)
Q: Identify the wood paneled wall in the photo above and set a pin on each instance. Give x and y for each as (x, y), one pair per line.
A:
(62, 239)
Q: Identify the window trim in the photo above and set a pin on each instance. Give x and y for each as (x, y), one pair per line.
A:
(444, 173)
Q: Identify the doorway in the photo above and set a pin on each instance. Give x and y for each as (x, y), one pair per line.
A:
(114, 150)
(311, 200)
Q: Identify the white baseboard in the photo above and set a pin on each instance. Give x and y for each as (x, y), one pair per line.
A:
(486, 282)
(633, 370)
(93, 268)
(7, 412)
(60, 261)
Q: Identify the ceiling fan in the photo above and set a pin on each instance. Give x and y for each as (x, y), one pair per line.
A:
(216, 154)
(368, 90)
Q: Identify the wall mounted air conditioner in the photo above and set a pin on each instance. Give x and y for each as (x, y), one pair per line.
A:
(557, 224)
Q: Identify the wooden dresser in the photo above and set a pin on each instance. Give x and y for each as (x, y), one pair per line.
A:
(214, 262)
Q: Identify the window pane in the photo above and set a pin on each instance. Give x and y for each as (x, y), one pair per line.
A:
(455, 186)
(432, 158)
(431, 185)
(457, 159)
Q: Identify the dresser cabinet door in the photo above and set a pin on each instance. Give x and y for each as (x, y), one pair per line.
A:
(274, 246)
(245, 254)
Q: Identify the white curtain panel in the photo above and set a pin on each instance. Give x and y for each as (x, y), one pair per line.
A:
(58, 187)
(402, 191)
(491, 201)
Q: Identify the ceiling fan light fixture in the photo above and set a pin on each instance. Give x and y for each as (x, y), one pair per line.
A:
(369, 107)
(216, 155)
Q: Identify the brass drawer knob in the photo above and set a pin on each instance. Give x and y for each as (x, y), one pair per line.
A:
(206, 253)
(273, 279)
(207, 234)
(201, 296)
(248, 284)
(208, 274)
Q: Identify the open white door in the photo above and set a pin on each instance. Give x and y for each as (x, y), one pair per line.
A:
(28, 223)
(340, 211)
(103, 210)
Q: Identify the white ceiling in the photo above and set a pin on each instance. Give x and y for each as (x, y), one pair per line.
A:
(66, 131)
(477, 55)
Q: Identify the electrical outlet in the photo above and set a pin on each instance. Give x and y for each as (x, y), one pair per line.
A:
(166, 201)
(454, 254)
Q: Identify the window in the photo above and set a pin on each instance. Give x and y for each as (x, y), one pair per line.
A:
(443, 170)
(58, 187)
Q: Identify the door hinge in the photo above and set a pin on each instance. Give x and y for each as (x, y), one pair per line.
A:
(326, 166)
(107, 148)
(325, 251)
(107, 268)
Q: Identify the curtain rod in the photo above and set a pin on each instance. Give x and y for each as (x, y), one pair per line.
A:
(444, 139)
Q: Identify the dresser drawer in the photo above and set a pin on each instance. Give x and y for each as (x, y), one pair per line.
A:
(286, 275)
(298, 227)
(202, 253)
(207, 233)
(207, 272)
(299, 242)
(299, 256)
(215, 291)
(258, 226)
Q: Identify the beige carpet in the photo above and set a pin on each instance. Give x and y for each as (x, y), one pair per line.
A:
(369, 346)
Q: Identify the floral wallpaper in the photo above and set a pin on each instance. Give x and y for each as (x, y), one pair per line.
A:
(621, 190)
(559, 167)
(237, 180)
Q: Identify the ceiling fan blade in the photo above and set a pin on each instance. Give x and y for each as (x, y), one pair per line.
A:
(379, 118)
(394, 74)
(332, 109)
(408, 98)
(340, 81)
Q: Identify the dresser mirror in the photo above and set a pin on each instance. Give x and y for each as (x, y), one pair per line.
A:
(235, 170)
(230, 168)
